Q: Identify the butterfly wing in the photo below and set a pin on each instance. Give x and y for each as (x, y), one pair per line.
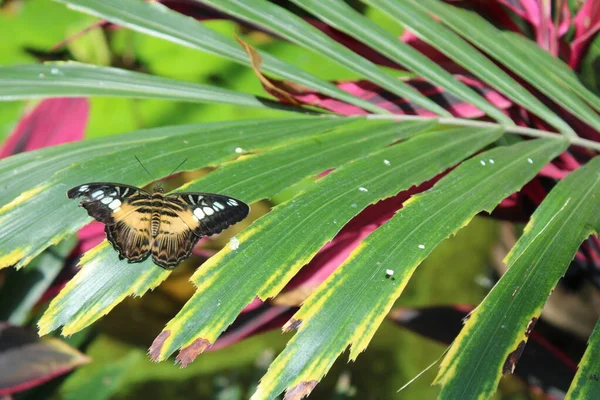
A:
(125, 210)
(186, 217)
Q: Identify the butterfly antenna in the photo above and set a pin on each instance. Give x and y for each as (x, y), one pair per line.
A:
(148, 172)
(178, 167)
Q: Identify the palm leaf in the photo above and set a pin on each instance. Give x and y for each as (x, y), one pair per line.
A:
(584, 383)
(369, 166)
(496, 332)
(464, 54)
(338, 14)
(156, 20)
(76, 80)
(314, 217)
(83, 301)
(35, 213)
(295, 29)
(488, 38)
(366, 285)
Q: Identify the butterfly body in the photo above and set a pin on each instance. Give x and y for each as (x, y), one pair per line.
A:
(139, 224)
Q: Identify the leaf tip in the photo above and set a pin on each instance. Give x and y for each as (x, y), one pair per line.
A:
(156, 347)
(189, 353)
(301, 390)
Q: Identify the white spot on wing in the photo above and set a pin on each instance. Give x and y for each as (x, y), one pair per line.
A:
(191, 198)
(125, 192)
(83, 188)
(106, 200)
(208, 211)
(98, 194)
(198, 213)
(219, 205)
(232, 202)
(234, 243)
(115, 204)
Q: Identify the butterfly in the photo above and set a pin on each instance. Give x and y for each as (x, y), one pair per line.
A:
(138, 223)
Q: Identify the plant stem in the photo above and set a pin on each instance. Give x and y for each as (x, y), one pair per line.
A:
(510, 129)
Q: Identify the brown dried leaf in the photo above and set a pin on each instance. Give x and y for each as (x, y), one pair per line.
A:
(283, 90)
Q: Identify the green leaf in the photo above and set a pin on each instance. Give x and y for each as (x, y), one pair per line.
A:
(585, 383)
(350, 305)
(295, 29)
(272, 250)
(516, 58)
(338, 14)
(561, 74)
(496, 332)
(22, 290)
(105, 383)
(412, 15)
(36, 212)
(104, 281)
(75, 79)
(157, 20)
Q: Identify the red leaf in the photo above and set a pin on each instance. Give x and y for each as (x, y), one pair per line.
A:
(587, 25)
(51, 122)
(381, 97)
(27, 361)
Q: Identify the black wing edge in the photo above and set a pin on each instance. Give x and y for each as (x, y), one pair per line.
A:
(223, 219)
(77, 192)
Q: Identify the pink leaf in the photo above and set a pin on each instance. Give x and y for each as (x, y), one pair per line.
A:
(51, 122)
(587, 25)
(376, 95)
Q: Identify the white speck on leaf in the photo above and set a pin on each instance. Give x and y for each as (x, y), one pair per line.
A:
(354, 205)
(530, 161)
(42, 76)
(55, 71)
(421, 246)
(239, 150)
(363, 189)
(387, 162)
(491, 161)
(482, 163)
(389, 272)
(234, 243)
